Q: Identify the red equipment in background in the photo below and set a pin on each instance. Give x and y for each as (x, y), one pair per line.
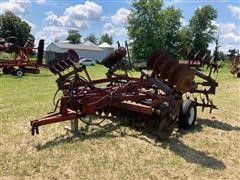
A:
(235, 61)
(21, 63)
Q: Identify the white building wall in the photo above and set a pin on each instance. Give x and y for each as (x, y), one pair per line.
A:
(53, 47)
(95, 55)
(107, 51)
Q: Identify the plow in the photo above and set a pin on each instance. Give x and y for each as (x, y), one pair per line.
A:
(21, 63)
(162, 97)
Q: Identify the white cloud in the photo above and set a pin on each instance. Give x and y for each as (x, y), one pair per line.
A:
(120, 16)
(229, 35)
(225, 28)
(116, 23)
(41, 1)
(235, 10)
(183, 22)
(18, 7)
(51, 33)
(114, 30)
(171, 2)
(232, 37)
(78, 16)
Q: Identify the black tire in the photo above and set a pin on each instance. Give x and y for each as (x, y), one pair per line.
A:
(6, 70)
(187, 115)
(238, 75)
(13, 72)
(19, 72)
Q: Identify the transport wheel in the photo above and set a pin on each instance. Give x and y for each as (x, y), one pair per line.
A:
(187, 115)
(19, 72)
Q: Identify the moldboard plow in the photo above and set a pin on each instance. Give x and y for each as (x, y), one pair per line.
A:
(153, 102)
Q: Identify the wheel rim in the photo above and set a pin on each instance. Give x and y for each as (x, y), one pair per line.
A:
(19, 73)
(191, 116)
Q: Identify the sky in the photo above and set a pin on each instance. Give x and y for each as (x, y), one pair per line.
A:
(51, 19)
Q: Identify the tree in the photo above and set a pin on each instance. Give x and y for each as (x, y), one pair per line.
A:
(106, 38)
(12, 25)
(216, 54)
(185, 40)
(74, 37)
(150, 27)
(201, 28)
(92, 38)
(172, 23)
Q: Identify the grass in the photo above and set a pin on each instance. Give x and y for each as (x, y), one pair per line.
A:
(209, 151)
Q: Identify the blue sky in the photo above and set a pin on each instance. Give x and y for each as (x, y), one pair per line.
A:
(51, 19)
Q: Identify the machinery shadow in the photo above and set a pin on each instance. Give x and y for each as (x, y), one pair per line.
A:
(213, 123)
(174, 144)
(103, 131)
(189, 154)
(192, 155)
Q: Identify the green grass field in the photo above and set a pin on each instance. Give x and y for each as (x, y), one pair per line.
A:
(210, 151)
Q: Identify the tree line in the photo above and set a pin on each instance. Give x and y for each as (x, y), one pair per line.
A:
(74, 37)
(12, 25)
(151, 27)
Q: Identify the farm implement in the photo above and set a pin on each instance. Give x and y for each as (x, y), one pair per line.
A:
(235, 57)
(20, 64)
(155, 102)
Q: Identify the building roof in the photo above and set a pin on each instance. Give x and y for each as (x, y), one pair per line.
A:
(89, 43)
(105, 45)
(77, 46)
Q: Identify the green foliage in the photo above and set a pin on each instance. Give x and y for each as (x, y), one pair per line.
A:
(106, 38)
(12, 25)
(74, 37)
(172, 23)
(185, 38)
(92, 38)
(200, 29)
(150, 27)
(143, 27)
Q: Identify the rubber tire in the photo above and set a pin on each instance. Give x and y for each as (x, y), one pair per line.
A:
(184, 114)
(19, 72)
(238, 75)
(6, 70)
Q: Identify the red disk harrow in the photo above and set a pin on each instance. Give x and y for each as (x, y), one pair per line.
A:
(21, 63)
(156, 101)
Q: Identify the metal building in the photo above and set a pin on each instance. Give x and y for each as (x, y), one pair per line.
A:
(88, 51)
(107, 48)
